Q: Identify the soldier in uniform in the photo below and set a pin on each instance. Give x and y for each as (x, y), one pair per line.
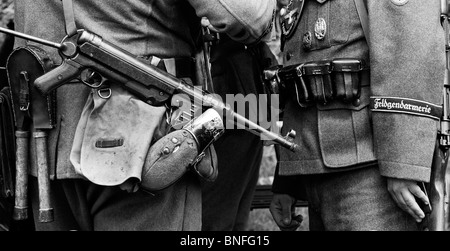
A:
(149, 29)
(235, 69)
(364, 80)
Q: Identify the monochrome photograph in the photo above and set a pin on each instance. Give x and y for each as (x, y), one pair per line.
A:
(227, 123)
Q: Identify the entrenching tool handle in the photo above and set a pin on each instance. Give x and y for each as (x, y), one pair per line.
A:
(46, 213)
(21, 190)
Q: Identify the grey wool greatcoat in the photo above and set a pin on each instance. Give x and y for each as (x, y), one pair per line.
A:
(406, 56)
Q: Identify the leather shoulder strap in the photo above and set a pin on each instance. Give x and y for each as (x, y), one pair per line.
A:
(361, 7)
(69, 18)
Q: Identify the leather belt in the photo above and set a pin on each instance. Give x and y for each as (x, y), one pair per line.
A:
(320, 82)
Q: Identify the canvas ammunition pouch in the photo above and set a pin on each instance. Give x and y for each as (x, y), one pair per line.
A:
(117, 136)
(319, 82)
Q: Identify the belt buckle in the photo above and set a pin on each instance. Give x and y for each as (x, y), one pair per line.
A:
(272, 80)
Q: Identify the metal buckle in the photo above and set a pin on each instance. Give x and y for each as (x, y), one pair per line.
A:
(347, 65)
(104, 93)
(272, 80)
(292, 78)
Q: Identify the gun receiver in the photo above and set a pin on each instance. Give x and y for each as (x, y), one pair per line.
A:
(88, 51)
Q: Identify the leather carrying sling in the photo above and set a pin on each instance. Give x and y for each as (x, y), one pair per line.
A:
(361, 8)
(7, 145)
(7, 159)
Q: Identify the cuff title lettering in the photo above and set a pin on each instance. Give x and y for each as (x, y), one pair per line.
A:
(405, 106)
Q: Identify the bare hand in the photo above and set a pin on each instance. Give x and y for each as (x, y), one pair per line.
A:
(282, 209)
(205, 23)
(405, 193)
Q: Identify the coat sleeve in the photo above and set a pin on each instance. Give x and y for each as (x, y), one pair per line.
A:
(407, 54)
(246, 21)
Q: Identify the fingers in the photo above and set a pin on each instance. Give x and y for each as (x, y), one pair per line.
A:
(420, 194)
(280, 209)
(282, 213)
(404, 194)
(411, 206)
(205, 23)
(292, 226)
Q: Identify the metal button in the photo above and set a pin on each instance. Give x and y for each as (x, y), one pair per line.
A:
(166, 151)
(289, 56)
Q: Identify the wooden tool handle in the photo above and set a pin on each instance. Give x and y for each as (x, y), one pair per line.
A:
(46, 213)
(21, 190)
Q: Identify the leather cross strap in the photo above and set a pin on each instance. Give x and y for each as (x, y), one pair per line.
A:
(69, 17)
(7, 145)
(361, 8)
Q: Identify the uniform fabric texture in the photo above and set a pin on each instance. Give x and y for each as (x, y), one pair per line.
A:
(353, 201)
(84, 206)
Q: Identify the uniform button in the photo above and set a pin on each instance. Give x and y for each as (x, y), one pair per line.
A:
(166, 151)
(289, 56)
(357, 103)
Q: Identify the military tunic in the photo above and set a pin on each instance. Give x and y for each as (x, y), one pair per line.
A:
(406, 58)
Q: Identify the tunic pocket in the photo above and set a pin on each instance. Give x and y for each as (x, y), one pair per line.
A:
(345, 135)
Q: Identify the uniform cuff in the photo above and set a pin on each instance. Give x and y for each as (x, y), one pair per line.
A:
(405, 171)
